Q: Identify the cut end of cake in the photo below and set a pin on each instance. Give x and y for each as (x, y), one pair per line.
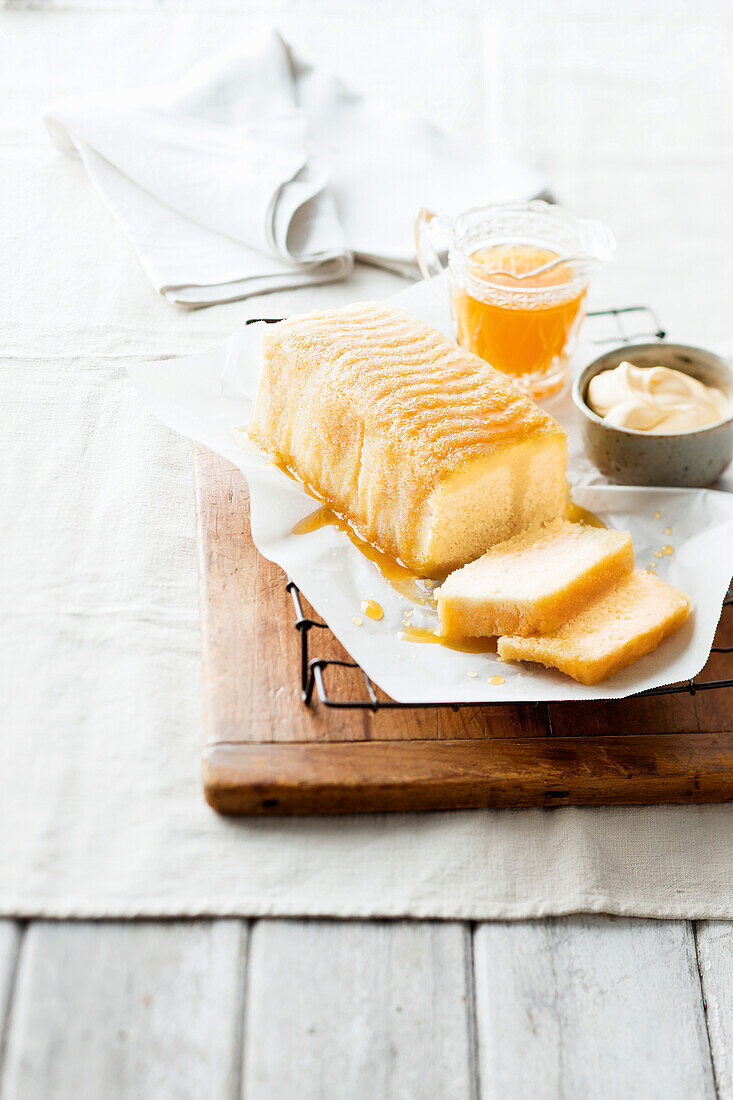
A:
(532, 583)
(492, 500)
(626, 623)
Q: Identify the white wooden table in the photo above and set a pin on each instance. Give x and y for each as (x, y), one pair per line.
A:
(630, 113)
(293, 1010)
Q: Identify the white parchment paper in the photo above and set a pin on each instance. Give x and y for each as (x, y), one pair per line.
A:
(205, 396)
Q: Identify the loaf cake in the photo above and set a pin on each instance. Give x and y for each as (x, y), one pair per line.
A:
(431, 454)
(533, 582)
(627, 622)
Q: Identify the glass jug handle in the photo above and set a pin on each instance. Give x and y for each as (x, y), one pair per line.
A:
(432, 238)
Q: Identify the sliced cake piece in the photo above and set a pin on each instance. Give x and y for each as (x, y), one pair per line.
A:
(533, 582)
(626, 623)
(428, 451)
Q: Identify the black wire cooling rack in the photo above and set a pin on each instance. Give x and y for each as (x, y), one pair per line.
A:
(312, 668)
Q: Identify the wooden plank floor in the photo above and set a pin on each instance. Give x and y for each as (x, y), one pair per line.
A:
(572, 1007)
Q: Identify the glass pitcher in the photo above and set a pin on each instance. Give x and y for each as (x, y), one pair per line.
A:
(518, 278)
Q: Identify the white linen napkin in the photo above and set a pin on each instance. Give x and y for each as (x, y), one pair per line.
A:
(260, 172)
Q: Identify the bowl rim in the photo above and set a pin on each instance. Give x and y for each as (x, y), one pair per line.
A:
(583, 378)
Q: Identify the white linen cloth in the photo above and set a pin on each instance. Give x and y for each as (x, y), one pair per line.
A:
(259, 172)
(101, 811)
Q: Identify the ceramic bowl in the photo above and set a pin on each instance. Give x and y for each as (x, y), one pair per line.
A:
(694, 457)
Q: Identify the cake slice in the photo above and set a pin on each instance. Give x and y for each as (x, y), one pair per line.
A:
(626, 623)
(533, 582)
(430, 453)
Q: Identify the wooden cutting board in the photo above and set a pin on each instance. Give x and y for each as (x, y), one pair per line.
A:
(268, 753)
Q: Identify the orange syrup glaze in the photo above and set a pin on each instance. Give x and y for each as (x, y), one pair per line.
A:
(394, 572)
(425, 636)
(372, 609)
(576, 514)
(402, 579)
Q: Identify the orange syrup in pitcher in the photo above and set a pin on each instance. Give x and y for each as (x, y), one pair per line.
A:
(519, 334)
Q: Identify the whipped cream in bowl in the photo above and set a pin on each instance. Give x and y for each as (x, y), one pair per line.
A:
(657, 414)
(655, 399)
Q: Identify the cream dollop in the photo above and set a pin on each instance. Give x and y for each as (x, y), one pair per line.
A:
(657, 400)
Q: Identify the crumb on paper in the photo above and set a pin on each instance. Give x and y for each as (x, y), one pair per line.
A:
(357, 621)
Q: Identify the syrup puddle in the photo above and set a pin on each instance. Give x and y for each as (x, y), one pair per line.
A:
(322, 517)
(372, 609)
(402, 579)
(425, 636)
(576, 514)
